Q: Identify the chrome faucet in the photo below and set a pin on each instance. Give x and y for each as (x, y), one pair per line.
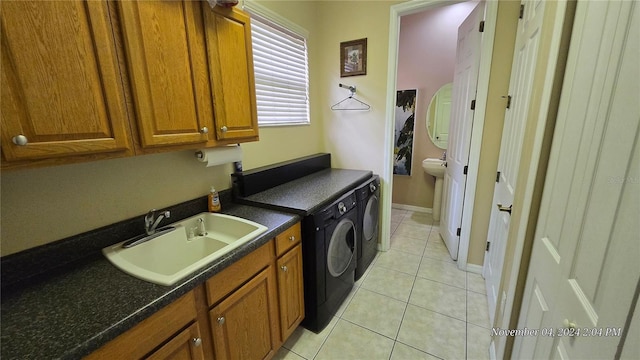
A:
(150, 224)
(201, 229)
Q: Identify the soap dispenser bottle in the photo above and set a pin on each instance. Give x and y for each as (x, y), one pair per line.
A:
(214, 201)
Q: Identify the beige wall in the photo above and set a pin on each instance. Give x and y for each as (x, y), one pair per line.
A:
(355, 139)
(426, 61)
(504, 41)
(283, 143)
(43, 205)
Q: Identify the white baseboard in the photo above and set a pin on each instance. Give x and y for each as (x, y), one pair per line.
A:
(412, 208)
(473, 268)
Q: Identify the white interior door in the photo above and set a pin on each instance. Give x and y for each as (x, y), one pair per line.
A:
(465, 82)
(584, 264)
(520, 88)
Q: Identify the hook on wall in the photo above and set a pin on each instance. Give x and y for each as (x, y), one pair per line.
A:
(350, 87)
(350, 99)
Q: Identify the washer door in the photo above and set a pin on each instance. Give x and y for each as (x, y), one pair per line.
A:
(341, 247)
(370, 220)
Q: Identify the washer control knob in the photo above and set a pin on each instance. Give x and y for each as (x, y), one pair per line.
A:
(341, 208)
(372, 187)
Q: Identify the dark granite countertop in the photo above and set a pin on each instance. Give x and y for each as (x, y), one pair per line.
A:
(307, 194)
(72, 313)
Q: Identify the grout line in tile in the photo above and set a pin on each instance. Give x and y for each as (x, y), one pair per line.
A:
(366, 328)
(413, 347)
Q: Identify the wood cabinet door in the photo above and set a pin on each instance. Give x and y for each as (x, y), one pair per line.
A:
(245, 324)
(167, 64)
(62, 93)
(187, 345)
(228, 35)
(290, 291)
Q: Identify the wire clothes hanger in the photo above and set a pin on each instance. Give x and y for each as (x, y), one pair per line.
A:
(350, 100)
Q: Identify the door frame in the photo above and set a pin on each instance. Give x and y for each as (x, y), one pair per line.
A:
(396, 11)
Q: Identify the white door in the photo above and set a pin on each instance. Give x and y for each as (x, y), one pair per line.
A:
(525, 57)
(465, 81)
(584, 264)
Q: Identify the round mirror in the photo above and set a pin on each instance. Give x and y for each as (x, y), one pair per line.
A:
(438, 115)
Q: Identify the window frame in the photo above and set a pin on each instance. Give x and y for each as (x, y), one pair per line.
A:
(259, 13)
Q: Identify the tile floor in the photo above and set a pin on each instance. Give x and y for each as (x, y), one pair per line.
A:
(412, 303)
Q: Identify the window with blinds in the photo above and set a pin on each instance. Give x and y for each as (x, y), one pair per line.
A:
(281, 71)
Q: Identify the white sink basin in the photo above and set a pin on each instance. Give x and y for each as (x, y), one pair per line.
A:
(172, 256)
(434, 167)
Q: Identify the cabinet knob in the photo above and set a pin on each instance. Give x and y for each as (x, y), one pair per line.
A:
(204, 130)
(284, 268)
(221, 320)
(196, 341)
(292, 238)
(20, 140)
(224, 129)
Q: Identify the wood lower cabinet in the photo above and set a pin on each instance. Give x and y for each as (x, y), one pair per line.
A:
(290, 279)
(247, 311)
(244, 325)
(61, 88)
(290, 291)
(187, 345)
(160, 336)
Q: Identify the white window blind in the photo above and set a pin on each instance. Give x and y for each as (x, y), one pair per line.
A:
(281, 71)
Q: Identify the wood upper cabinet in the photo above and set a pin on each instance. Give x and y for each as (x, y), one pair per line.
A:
(245, 324)
(228, 37)
(167, 63)
(61, 90)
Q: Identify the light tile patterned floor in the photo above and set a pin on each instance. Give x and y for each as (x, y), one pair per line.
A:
(412, 303)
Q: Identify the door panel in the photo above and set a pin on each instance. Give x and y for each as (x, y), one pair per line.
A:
(520, 89)
(585, 248)
(464, 91)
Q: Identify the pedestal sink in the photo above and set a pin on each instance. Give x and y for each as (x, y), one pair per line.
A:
(436, 168)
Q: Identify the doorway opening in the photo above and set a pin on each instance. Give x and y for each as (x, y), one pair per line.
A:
(398, 11)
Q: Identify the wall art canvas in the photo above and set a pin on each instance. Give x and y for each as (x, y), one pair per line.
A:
(404, 123)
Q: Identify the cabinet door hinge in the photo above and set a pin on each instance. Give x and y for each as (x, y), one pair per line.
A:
(521, 11)
(508, 101)
(481, 29)
(488, 245)
(458, 232)
(498, 177)
(465, 170)
(473, 104)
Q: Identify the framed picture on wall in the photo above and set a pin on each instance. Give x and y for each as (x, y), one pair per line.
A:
(403, 133)
(353, 57)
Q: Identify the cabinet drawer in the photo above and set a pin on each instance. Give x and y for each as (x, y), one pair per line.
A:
(231, 278)
(288, 239)
(152, 331)
(186, 345)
